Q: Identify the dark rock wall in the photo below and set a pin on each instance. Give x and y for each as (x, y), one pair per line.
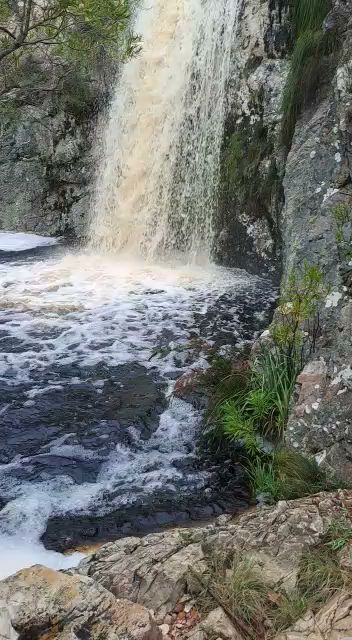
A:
(46, 154)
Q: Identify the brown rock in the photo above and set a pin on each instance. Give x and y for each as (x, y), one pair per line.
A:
(40, 601)
(152, 571)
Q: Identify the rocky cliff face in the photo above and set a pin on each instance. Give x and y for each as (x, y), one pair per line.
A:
(46, 157)
(293, 204)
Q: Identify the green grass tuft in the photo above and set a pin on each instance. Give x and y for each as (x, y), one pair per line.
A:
(338, 535)
(238, 587)
(311, 45)
(319, 575)
(308, 15)
(289, 609)
(237, 427)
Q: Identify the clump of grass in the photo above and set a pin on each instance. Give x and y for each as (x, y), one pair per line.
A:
(342, 214)
(274, 374)
(290, 608)
(339, 534)
(260, 409)
(319, 575)
(263, 480)
(311, 45)
(286, 475)
(243, 591)
(233, 582)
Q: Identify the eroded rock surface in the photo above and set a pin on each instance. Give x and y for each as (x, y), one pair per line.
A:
(154, 571)
(116, 591)
(39, 601)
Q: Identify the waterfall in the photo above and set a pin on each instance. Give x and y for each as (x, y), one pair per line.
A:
(156, 191)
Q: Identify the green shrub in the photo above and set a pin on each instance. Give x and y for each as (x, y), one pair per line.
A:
(296, 324)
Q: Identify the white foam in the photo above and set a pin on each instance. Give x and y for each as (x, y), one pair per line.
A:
(122, 307)
(17, 553)
(85, 309)
(23, 241)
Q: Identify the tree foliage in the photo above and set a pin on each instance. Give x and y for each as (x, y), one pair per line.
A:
(61, 34)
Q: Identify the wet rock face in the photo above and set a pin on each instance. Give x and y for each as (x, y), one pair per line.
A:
(316, 183)
(46, 156)
(252, 167)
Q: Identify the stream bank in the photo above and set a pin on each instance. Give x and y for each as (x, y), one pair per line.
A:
(152, 588)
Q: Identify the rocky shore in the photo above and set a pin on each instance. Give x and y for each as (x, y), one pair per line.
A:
(150, 588)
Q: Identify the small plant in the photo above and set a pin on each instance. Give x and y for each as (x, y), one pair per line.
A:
(285, 475)
(237, 427)
(342, 214)
(236, 585)
(338, 535)
(296, 326)
(263, 480)
(274, 373)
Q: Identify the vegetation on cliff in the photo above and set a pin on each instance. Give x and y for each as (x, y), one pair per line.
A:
(251, 406)
(307, 69)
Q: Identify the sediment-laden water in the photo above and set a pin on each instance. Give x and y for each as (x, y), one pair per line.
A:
(92, 442)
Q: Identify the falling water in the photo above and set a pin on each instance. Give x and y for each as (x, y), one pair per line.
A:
(156, 193)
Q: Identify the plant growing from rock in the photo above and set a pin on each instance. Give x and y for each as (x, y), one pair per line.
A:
(338, 535)
(342, 215)
(256, 413)
(296, 325)
(311, 45)
(258, 608)
(319, 575)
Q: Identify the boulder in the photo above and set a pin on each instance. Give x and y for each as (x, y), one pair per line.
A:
(152, 571)
(40, 602)
(218, 625)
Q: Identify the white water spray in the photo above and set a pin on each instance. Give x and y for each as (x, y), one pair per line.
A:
(156, 193)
